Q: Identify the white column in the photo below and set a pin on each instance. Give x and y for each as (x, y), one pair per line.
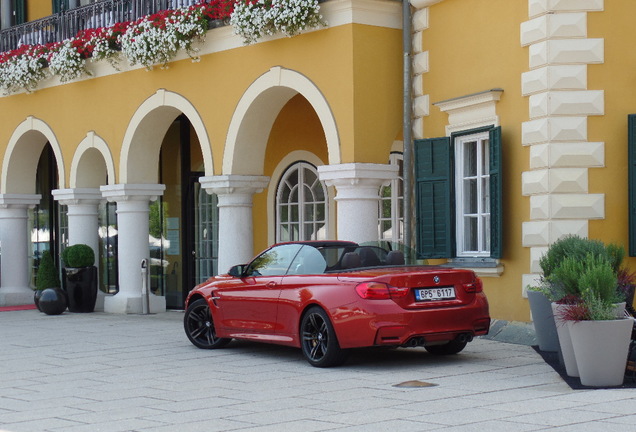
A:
(83, 223)
(357, 197)
(5, 14)
(236, 242)
(133, 231)
(14, 243)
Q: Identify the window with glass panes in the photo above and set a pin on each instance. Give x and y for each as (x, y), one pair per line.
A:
(301, 205)
(390, 219)
(472, 210)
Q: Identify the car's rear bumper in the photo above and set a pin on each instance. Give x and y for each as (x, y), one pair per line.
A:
(390, 325)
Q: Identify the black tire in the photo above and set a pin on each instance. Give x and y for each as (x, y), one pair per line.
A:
(452, 347)
(318, 340)
(199, 326)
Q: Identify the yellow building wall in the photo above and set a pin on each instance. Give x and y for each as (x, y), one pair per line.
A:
(470, 53)
(616, 77)
(354, 66)
(37, 9)
(214, 86)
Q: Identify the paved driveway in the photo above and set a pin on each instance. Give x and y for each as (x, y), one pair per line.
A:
(100, 372)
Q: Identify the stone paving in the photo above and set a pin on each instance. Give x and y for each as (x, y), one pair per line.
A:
(101, 372)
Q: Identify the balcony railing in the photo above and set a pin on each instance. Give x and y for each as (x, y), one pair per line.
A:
(66, 24)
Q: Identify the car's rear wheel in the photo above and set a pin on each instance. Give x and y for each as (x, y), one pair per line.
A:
(452, 347)
(199, 326)
(319, 343)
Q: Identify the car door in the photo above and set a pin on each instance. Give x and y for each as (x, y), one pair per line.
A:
(249, 306)
(306, 272)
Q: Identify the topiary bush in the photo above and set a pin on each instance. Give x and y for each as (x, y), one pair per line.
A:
(78, 255)
(571, 246)
(570, 257)
(47, 276)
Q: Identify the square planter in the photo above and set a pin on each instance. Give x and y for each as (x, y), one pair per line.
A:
(601, 349)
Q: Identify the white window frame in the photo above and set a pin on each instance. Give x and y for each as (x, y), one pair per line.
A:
(482, 211)
(320, 226)
(396, 198)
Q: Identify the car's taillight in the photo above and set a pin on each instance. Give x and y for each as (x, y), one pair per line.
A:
(474, 287)
(379, 291)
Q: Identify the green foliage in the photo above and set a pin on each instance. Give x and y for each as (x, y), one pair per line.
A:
(569, 247)
(47, 276)
(570, 257)
(616, 256)
(158, 214)
(78, 255)
(598, 280)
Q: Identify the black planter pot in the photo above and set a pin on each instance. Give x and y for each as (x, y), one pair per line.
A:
(81, 287)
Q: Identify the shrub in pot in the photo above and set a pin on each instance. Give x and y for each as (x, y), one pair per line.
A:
(599, 332)
(563, 265)
(80, 277)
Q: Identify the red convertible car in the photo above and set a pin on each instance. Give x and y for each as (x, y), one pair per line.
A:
(327, 297)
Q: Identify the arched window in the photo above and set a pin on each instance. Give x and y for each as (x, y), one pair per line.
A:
(301, 205)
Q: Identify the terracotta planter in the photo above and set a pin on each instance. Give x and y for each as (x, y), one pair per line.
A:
(565, 342)
(601, 348)
(543, 320)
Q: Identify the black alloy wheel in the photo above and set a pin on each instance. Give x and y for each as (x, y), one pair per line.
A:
(199, 326)
(319, 343)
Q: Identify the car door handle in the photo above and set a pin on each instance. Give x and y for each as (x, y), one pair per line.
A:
(271, 284)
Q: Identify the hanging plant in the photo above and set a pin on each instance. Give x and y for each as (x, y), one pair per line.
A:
(254, 19)
(23, 68)
(157, 38)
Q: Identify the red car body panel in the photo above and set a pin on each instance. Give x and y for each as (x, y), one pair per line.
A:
(270, 308)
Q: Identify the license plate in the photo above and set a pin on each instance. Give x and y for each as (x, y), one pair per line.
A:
(441, 293)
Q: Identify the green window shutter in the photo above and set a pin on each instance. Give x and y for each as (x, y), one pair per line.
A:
(19, 7)
(433, 189)
(496, 192)
(631, 187)
(60, 5)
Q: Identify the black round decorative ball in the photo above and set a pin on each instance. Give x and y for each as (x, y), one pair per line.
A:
(52, 301)
(36, 298)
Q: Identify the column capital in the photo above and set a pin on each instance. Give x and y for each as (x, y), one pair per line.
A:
(234, 184)
(19, 200)
(357, 180)
(77, 196)
(132, 192)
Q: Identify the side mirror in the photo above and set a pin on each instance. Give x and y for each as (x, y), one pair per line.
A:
(237, 270)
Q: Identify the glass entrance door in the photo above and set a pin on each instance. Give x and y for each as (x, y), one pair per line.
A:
(184, 221)
(206, 226)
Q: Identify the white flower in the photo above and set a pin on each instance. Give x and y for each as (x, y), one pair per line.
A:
(267, 17)
(66, 62)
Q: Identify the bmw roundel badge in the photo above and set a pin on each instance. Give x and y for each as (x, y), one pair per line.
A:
(436, 279)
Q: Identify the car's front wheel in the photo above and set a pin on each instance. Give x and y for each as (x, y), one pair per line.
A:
(199, 326)
(319, 343)
(452, 347)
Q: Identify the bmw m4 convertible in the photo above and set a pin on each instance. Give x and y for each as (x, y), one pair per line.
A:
(328, 297)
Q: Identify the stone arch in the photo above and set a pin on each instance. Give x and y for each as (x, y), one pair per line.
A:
(148, 126)
(256, 112)
(20, 162)
(92, 163)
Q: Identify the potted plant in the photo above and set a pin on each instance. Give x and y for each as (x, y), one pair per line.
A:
(562, 266)
(48, 297)
(540, 300)
(599, 331)
(80, 277)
